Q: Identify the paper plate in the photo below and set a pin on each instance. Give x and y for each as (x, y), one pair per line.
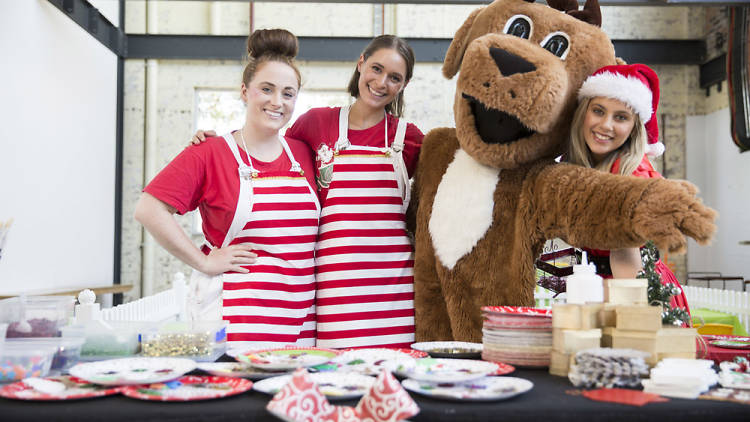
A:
(518, 310)
(75, 389)
(445, 370)
(335, 385)
(130, 371)
(503, 368)
(484, 389)
(237, 370)
(731, 344)
(450, 349)
(189, 388)
(287, 358)
(371, 361)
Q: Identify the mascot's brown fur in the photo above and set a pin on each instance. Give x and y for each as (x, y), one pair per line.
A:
(488, 193)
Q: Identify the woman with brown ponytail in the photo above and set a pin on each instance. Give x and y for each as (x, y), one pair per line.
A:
(256, 193)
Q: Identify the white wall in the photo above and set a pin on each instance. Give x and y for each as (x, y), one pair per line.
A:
(716, 166)
(57, 153)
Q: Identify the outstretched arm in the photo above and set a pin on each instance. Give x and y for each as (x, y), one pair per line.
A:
(156, 217)
(590, 208)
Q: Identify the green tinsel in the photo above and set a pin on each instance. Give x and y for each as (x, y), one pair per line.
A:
(657, 292)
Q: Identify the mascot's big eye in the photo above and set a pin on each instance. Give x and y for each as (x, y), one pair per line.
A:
(557, 43)
(519, 26)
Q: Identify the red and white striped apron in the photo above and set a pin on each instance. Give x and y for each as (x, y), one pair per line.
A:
(364, 258)
(277, 212)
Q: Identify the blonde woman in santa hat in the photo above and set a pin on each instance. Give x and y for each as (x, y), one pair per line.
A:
(614, 129)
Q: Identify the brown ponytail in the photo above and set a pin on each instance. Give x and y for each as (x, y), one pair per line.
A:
(264, 45)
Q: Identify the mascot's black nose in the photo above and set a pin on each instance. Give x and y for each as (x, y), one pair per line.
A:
(509, 63)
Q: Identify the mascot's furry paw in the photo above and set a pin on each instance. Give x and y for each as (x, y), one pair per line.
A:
(669, 211)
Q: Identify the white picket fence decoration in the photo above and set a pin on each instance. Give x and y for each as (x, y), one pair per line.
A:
(544, 298)
(728, 301)
(168, 305)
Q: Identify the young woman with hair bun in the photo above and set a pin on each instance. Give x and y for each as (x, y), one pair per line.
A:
(256, 193)
(365, 155)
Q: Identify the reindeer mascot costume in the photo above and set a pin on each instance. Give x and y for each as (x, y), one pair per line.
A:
(488, 193)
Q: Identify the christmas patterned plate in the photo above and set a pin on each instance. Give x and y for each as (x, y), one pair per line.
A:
(372, 361)
(450, 349)
(287, 358)
(189, 388)
(67, 388)
(237, 369)
(444, 370)
(483, 389)
(130, 371)
(334, 385)
(518, 310)
(731, 344)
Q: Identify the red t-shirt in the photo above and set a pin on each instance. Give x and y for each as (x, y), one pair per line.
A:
(205, 177)
(321, 125)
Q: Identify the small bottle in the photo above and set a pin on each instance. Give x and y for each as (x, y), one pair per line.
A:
(584, 285)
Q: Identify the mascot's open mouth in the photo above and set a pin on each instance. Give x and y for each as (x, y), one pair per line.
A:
(495, 126)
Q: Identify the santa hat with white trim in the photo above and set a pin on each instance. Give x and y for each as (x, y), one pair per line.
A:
(637, 86)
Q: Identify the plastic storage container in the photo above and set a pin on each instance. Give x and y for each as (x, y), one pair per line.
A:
(67, 350)
(202, 341)
(36, 316)
(3, 328)
(106, 340)
(19, 361)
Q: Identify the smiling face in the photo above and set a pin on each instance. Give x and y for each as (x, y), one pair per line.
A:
(519, 66)
(382, 77)
(270, 96)
(607, 125)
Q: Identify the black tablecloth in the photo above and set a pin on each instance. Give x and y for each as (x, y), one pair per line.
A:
(549, 400)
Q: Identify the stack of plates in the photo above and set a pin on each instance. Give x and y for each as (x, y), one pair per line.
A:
(517, 335)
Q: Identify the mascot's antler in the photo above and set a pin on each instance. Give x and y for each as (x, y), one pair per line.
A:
(591, 12)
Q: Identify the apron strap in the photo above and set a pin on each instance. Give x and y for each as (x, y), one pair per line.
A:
(402, 176)
(343, 141)
(244, 170)
(296, 167)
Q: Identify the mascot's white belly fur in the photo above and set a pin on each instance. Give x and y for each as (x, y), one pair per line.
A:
(462, 211)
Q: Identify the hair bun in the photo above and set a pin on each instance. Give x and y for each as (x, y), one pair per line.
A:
(272, 41)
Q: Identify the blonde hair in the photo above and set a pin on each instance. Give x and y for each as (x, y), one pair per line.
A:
(630, 153)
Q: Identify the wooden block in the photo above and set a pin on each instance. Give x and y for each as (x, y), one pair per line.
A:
(638, 340)
(576, 317)
(575, 340)
(638, 317)
(680, 355)
(608, 315)
(559, 363)
(627, 291)
(676, 340)
(672, 341)
(606, 340)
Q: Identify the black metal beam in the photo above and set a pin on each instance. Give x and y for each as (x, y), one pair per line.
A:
(89, 18)
(713, 72)
(684, 52)
(117, 298)
(479, 2)
(209, 47)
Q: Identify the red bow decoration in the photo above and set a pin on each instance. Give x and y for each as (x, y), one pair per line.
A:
(300, 400)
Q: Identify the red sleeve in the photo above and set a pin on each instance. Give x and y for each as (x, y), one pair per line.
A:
(180, 183)
(313, 126)
(412, 145)
(646, 170)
